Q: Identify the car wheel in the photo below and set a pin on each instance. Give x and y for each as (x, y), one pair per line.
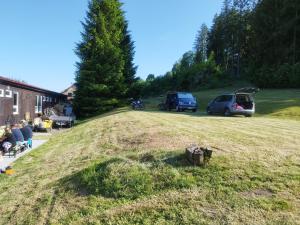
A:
(227, 112)
(194, 110)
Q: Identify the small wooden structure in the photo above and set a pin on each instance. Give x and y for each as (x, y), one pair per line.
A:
(70, 92)
(198, 156)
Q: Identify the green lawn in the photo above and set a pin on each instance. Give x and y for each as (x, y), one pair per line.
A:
(128, 167)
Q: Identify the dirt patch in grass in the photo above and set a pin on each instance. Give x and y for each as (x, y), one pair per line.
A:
(155, 140)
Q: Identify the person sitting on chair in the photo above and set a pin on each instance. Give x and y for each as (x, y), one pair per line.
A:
(19, 137)
(27, 134)
(9, 141)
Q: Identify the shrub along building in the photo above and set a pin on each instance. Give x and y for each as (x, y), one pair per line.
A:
(19, 101)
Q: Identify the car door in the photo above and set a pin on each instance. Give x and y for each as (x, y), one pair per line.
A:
(220, 106)
(215, 104)
(223, 103)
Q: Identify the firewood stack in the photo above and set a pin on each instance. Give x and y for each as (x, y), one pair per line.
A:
(198, 156)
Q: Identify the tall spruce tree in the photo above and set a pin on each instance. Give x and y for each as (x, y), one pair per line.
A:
(200, 44)
(129, 72)
(100, 76)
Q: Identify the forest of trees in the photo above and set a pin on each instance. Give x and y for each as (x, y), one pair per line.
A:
(256, 40)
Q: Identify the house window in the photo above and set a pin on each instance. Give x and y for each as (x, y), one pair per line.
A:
(38, 104)
(8, 93)
(16, 103)
(1, 93)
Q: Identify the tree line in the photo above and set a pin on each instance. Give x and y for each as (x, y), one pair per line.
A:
(256, 40)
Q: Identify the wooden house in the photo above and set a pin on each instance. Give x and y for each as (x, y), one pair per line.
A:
(19, 101)
(70, 92)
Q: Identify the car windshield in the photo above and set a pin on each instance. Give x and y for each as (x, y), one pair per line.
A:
(185, 96)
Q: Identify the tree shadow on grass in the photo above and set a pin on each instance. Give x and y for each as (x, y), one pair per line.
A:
(177, 161)
(126, 179)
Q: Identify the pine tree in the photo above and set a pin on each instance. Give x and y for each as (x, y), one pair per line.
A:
(129, 71)
(275, 55)
(201, 44)
(100, 78)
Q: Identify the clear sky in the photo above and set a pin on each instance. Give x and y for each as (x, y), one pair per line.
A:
(37, 38)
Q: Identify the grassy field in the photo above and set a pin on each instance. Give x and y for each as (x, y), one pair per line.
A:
(128, 167)
(273, 103)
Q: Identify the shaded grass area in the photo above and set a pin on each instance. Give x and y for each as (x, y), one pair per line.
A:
(123, 178)
(128, 168)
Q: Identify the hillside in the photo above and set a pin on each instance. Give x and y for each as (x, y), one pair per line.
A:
(127, 167)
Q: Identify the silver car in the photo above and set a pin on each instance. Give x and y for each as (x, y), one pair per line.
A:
(241, 102)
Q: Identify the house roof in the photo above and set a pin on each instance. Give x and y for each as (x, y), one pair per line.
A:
(19, 84)
(73, 86)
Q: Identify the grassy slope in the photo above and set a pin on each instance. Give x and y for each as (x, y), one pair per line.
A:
(253, 178)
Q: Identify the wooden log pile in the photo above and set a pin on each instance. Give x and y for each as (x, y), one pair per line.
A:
(198, 156)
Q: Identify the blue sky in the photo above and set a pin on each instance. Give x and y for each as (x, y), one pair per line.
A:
(37, 38)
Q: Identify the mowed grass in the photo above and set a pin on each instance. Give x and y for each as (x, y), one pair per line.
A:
(128, 167)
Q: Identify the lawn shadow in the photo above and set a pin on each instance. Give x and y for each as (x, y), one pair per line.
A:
(72, 183)
(177, 161)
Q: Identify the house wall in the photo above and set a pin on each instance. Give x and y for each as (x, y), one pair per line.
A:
(70, 92)
(26, 103)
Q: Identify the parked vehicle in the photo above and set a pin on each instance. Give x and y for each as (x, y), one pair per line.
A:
(241, 102)
(137, 105)
(62, 115)
(180, 101)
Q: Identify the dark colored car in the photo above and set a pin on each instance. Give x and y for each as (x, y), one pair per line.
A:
(241, 102)
(137, 105)
(180, 101)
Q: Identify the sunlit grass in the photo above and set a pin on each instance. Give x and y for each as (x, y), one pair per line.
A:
(128, 167)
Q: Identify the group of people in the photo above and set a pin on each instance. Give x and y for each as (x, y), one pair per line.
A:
(17, 137)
